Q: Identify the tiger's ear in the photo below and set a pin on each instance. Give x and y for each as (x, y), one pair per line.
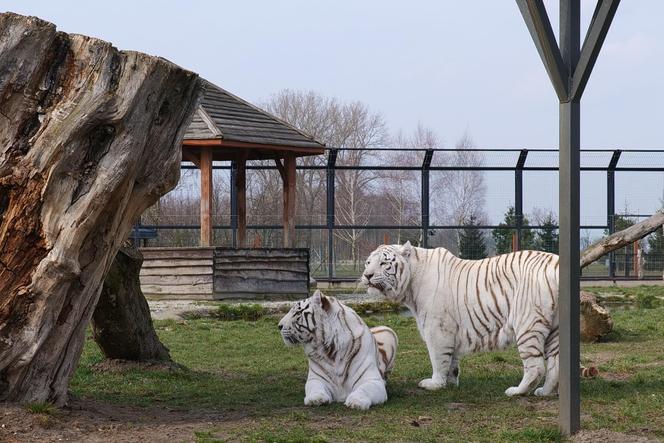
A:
(320, 300)
(407, 249)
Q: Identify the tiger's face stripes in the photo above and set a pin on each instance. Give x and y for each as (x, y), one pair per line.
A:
(298, 326)
(387, 272)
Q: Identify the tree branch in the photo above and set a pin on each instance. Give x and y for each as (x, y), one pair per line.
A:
(621, 238)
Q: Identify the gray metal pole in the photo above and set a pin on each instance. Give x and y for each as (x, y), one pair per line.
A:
(331, 163)
(568, 299)
(425, 216)
(568, 179)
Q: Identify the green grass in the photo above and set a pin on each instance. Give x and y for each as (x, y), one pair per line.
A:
(644, 296)
(41, 408)
(243, 368)
(242, 311)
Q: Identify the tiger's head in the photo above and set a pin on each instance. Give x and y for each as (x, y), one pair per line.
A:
(387, 271)
(304, 320)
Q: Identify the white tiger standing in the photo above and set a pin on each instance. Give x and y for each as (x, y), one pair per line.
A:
(464, 306)
(348, 362)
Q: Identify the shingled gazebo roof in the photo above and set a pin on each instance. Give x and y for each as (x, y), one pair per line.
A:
(225, 120)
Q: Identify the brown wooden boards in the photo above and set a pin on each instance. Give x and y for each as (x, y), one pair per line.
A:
(261, 273)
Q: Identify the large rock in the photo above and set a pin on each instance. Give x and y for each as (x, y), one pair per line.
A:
(596, 320)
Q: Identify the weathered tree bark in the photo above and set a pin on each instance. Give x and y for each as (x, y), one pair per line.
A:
(621, 238)
(121, 323)
(89, 137)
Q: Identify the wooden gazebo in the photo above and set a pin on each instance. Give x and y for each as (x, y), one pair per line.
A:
(227, 128)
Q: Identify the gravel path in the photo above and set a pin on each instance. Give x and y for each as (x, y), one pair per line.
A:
(174, 309)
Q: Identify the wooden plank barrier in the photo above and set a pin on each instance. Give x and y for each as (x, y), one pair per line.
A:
(177, 273)
(261, 273)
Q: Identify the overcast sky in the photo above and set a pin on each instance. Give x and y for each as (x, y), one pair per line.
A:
(452, 65)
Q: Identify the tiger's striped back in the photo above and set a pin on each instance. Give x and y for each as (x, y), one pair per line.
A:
(463, 306)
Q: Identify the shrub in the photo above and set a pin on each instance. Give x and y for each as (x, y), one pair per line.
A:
(40, 408)
(244, 311)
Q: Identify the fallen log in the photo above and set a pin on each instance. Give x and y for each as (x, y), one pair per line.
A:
(90, 137)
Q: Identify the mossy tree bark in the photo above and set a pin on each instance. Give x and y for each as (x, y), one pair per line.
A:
(89, 138)
(121, 322)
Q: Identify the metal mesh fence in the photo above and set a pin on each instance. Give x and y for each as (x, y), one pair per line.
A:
(480, 203)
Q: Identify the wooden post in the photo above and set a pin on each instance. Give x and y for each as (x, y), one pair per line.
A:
(638, 260)
(206, 197)
(289, 201)
(515, 242)
(241, 187)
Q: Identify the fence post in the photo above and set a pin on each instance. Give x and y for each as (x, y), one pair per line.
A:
(331, 163)
(611, 205)
(426, 164)
(518, 196)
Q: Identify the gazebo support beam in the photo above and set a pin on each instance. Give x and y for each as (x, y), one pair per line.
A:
(206, 197)
(241, 189)
(289, 178)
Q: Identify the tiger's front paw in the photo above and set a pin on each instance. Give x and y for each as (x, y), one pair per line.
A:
(514, 390)
(317, 399)
(357, 401)
(432, 384)
(541, 393)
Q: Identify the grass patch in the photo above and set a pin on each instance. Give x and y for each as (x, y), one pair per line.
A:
(206, 437)
(41, 408)
(377, 307)
(534, 435)
(243, 367)
(241, 311)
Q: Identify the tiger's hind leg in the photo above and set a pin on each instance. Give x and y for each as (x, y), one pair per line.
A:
(531, 350)
(550, 386)
(454, 371)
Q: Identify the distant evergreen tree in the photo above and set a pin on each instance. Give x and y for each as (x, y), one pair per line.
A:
(547, 236)
(655, 255)
(623, 257)
(471, 241)
(503, 237)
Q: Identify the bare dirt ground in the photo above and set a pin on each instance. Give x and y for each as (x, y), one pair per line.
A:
(606, 436)
(92, 421)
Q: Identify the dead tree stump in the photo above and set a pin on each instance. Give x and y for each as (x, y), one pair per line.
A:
(596, 321)
(121, 322)
(90, 137)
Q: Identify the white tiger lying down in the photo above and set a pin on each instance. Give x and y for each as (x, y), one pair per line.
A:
(348, 362)
(463, 306)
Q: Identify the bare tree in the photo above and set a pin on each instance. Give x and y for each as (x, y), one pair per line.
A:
(461, 193)
(338, 125)
(399, 188)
